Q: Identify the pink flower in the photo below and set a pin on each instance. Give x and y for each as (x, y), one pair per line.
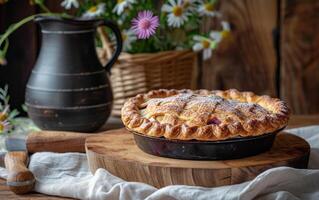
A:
(145, 24)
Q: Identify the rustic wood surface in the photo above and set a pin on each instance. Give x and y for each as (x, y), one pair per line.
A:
(60, 141)
(118, 153)
(299, 55)
(5, 193)
(296, 121)
(247, 61)
(56, 141)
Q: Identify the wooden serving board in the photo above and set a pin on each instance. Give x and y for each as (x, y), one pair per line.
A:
(118, 153)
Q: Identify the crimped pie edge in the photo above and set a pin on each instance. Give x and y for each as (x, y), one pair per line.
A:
(134, 121)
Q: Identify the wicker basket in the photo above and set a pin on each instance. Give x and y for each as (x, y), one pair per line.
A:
(138, 73)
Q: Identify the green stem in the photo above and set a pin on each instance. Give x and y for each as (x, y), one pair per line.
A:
(15, 26)
(6, 46)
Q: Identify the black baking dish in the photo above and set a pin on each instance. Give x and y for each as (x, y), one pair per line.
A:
(205, 150)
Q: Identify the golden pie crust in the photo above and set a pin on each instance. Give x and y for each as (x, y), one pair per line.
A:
(203, 115)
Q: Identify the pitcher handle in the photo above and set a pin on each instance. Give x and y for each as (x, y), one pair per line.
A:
(119, 43)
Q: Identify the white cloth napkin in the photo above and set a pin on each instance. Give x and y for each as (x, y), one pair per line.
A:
(68, 175)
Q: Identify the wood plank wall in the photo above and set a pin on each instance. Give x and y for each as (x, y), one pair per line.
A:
(248, 62)
(274, 50)
(300, 54)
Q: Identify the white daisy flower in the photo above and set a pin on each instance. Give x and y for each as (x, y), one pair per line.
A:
(122, 5)
(4, 127)
(128, 37)
(219, 35)
(178, 15)
(208, 9)
(204, 44)
(4, 123)
(4, 113)
(94, 11)
(68, 4)
(190, 5)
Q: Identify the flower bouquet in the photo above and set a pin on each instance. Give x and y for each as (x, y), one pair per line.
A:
(160, 39)
(9, 123)
(153, 26)
(7, 117)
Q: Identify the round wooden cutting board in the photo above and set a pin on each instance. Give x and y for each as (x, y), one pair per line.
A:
(117, 152)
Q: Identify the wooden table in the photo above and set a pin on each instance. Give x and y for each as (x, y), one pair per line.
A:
(295, 121)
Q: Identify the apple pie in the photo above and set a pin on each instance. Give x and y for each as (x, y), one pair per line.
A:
(203, 114)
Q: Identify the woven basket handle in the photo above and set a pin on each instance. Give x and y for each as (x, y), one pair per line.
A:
(106, 43)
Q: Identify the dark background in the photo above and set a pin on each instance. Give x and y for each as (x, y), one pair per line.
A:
(22, 51)
(24, 46)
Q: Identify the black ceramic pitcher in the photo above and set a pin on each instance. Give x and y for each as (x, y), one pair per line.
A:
(68, 88)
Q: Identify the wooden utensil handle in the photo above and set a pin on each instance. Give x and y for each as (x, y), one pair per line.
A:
(20, 179)
(56, 141)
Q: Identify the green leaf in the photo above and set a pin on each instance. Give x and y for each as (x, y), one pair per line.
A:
(14, 113)
(24, 108)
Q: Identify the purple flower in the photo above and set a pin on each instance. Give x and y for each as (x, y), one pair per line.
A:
(145, 24)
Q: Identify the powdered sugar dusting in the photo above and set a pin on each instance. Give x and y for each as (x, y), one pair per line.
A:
(199, 110)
